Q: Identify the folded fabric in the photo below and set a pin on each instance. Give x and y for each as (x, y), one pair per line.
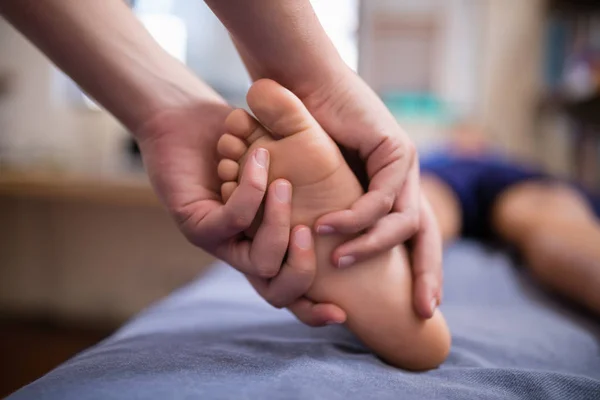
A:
(216, 339)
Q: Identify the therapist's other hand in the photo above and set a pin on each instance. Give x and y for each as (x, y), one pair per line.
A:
(392, 211)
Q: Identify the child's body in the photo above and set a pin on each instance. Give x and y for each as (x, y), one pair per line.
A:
(376, 294)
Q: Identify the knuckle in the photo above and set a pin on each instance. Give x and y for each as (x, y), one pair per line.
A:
(182, 214)
(409, 150)
(404, 150)
(387, 201)
(189, 226)
(371, 244)
(279, 244)
(354, 224)
(278, 297)
(412, 221)
(275, 300)
(310, 320)
(304, 272)
(258, 184)
(239, 222)
(277, 224)
(266, 271)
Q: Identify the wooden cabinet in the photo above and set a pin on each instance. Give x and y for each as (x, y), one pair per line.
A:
(88, 249)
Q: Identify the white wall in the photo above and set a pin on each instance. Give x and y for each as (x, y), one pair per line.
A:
(457, 47)
(513, 72)
(39, 122)
(462, 73)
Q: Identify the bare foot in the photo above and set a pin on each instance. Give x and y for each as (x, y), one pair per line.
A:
(376, 294)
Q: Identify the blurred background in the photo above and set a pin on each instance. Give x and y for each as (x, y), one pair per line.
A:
(84, 244)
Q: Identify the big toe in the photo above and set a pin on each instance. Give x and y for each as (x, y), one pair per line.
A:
(278, 109)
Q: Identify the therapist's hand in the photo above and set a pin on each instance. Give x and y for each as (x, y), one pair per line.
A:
(393, 210)
(296, 276)
(179, 149)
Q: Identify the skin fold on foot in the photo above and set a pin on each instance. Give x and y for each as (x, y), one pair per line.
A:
(377, 293)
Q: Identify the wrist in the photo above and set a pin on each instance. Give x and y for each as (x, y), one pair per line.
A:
(170, 88)
(324, 74)
(171, 108)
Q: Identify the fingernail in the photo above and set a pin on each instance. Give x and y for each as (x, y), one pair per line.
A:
(433, 305)
(302, 238)
(325, 229)
(332, 322)
(283, 192)
(346, 261)
(261, 156)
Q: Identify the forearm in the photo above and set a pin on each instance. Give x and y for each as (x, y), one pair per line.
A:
(282, 40)
(108, 52)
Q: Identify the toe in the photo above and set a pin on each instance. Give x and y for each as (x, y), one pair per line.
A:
(278, 109)
(227, 190)
(231, 147)
(241, 124)
(228, 170)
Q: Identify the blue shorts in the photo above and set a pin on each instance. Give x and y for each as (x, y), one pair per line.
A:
(478, 181)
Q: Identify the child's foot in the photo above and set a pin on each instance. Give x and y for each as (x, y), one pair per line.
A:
(300, 151)
(376, 294)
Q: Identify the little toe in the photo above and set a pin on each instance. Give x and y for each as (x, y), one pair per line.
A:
(279, 109)
(227, 190)
(228, 170)
(241, 124)
(231, 147)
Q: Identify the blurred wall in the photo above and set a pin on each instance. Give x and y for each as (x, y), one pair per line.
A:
(513, 72)
(42, 120)
(69, 258)
(452, 30)
(480, 57)
(429, 49)
(89, 260)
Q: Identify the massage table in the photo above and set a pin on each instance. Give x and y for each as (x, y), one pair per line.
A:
(216, 339)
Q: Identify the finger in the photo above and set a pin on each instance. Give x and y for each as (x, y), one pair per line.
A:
(296, 275)
(387, 181)
(389, 161)
(367, 210)
(272, 237)
(241, 208)
(236, 252)
(427, 263)
(226, 223)
(390, 231)
(313, 314)
(410, 195)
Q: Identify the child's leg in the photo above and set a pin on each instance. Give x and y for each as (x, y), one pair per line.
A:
(558, 234)
(445, 205)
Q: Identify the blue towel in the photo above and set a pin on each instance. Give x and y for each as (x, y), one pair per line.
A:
(216, 339)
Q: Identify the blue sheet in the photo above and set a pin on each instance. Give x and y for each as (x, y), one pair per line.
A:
(216, 339)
